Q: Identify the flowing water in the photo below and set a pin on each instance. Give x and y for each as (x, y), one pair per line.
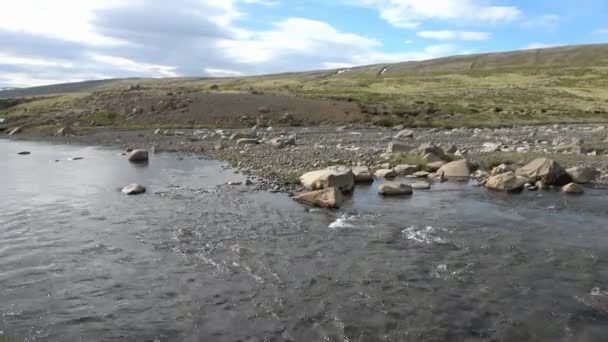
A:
(195, 260)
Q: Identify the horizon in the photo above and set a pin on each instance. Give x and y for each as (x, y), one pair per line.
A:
(69, 41)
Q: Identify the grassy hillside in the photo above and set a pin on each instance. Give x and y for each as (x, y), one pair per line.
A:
(565, 84)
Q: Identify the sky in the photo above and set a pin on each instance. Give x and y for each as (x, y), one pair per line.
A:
(45, 42)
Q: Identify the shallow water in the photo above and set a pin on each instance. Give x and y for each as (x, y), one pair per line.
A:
(194, 260)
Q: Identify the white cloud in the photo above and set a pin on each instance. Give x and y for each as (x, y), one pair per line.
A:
(602, 31)
(454, 35)
(222, 72)
(545, 20)
(137, 67)
(410, 13)
(537, 45)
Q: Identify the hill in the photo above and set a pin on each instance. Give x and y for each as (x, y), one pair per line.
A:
(563, 84)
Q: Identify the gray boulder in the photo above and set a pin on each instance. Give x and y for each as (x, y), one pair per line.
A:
(404, 134)
(405, 170)
(583, 174)
(547, 170)
(455, 170)
(385, 173)
(394, 189)
(573, 188)
(362, 174)
(325, 198)
(133, 189)
(506, 182)
(138, 156)
(341, 178)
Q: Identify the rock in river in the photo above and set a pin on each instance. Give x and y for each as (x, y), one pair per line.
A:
(394, 189)
(573, 188)
(385, 173)
(455, 170)
(138, 156)
(421, 186)
(325, 198)
(506, 182)
(133, 189)
(338, 177)
(583, 175)
(547, 170)
(362, 174)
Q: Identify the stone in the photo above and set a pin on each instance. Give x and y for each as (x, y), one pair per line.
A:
(24, 153)
(583, 174)
(247, 141)
(490, 147)
(405, 169)
(404, 134)
(506, 182)
(158, 131)
(573, 188)
(502, 168)
(341, 178)
(138, 156)
(324, 198)
(385, 173)
(243, 135)
(362, 174)
(282, 141)
(394, 189)
(452, 149)
(547, 170)
(434, 166)
(15, 131)
(133, 189)
(425, 149)
(431, 158)
(421, 186)
(398, 147)
(63, 131)
(456, 169)
(421, 174)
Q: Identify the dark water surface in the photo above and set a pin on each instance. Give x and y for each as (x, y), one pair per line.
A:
(192, 260)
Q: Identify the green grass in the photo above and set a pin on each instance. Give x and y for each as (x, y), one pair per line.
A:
(103, 118)
(409, 159)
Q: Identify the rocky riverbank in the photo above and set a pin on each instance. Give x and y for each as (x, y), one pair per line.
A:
(275, 158)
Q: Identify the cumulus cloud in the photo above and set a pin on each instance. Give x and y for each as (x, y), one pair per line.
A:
(538, 45)
(411, 13)
(67, 40)
(454, 35)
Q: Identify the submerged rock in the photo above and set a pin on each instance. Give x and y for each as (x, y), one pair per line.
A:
(138, 156)
(506, 182)
(133, 189)
(325, 198)
(394, 189)
(421, 186)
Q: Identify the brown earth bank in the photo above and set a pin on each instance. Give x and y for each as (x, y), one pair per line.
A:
(275, 158)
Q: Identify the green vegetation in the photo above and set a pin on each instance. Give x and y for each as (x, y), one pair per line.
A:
(103, 118)
(409, 159)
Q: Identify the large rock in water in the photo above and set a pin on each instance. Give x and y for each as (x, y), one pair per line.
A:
(325, 198)
(405, 169)
(506, 182)
(138, 156)
(583, 174)
(458, 169)
(573, 188)
(341, 178)
(394, 189)
(385, 173)
(547, 170)
(133, 189)
(362, 174)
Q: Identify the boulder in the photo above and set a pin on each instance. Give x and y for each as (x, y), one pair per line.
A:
(425, 149)
(133, 189)
(405, 170)
(404, 134)
(398, 147)
(506, 182)
(385, 173)
(434, 166)
(63, 131)
(547, 170)
(325, 198)
(247, 141)
(340, 178)
(452, 149)
(431, 158)
(421, 174)
(15, 131)
(582, 174)
(456, 169)
(138, 156)
(573, 188)
(282, 141)
(502, 168)
(421, 186)
(490, 147)
(394, 189)
(24, 153)
(362, 174)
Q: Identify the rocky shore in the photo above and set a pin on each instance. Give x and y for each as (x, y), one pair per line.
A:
(276, 158)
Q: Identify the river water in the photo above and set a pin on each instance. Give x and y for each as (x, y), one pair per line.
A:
(196, 260)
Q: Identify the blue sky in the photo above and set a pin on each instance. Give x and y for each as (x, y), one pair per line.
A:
(44, 42)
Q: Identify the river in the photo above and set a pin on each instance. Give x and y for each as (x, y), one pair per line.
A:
(196, 260)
